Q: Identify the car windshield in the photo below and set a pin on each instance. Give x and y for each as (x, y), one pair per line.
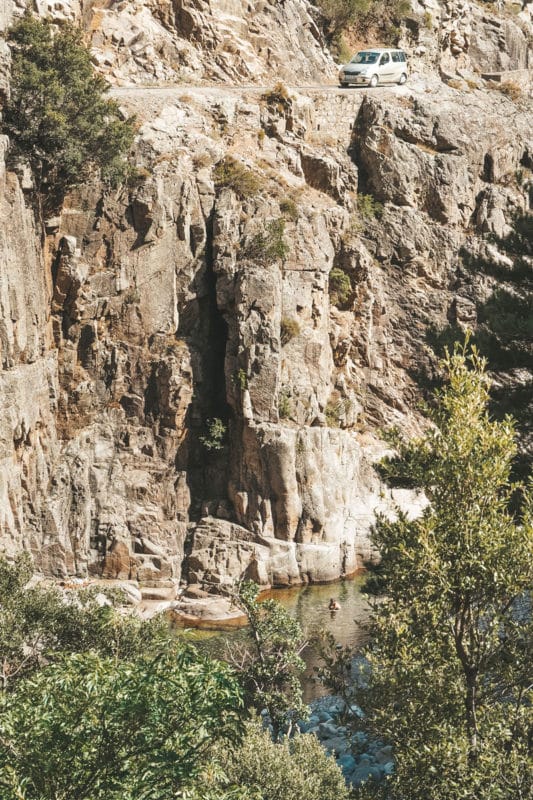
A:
(365, 58)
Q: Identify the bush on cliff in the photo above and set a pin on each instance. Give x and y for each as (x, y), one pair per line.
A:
(58, 118)
(451, 683)
(362, 15)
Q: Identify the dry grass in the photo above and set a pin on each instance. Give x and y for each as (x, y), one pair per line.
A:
(510, 89)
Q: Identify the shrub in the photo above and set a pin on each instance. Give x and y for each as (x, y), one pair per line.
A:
(333, 412)
(369, 207)
(288, 208)
(38, 627)
(278, 96)
(241, 379)
(231, 174)
(214, 438)
(340, 287)
(342, 13)
(511, 89)
(297, 768)
(288, 330)
(284, 403)
(362, 15)
(57, 117)
(269, 245)
(92, 728)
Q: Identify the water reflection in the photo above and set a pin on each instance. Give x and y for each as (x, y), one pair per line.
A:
(310, 606)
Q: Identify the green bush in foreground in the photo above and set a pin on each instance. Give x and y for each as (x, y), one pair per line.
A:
(38, 623)
(296, 768)
(93, 729)
(269, 664)
(58, 118)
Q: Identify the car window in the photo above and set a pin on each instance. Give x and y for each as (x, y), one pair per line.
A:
(385, 58)
(396, 57)
(365, 57)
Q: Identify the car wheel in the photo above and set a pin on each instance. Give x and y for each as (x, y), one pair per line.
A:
(373, 81)
(403, 78)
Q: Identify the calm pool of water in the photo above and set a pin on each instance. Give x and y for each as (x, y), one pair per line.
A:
(309, 605)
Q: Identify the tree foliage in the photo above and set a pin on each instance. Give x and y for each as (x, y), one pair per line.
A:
(451, 663)
(39, 622)
(93, 729)
(297, 767)
(58, 118)
(269, 663)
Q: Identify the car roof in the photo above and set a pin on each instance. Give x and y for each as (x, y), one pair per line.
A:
(381, 50)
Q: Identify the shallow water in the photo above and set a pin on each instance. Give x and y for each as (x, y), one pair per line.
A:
(309, 605)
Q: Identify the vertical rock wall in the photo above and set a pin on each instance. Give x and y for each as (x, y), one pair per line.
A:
(147, 312)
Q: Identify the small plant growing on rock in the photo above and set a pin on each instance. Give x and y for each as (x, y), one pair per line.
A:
(215, 437)
(269, 245)
(288, 208)
(333, 413)
(289, 328)
(241, 379)
(511, 89)
(278, 97)
(369, 207)
(231, 174)
(284, 403)
(340, 287)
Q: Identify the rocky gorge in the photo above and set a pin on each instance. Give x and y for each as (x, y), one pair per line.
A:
(197, 365)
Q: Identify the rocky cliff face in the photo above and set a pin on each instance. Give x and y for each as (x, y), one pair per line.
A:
(199, 293)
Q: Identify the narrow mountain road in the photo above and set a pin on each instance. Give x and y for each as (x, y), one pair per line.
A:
(175, 90)
(147, 102)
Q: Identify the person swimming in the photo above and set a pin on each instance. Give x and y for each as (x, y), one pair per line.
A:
(334, 605)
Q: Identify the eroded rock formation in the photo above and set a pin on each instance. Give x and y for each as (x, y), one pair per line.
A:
(149, 311)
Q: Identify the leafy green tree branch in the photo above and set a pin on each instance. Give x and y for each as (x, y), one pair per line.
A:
(58, 118)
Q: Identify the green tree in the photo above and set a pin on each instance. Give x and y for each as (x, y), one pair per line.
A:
(297, 767)
(269, 662)
(58, 118)
(39, 622)
(451, 684)
(93, 729)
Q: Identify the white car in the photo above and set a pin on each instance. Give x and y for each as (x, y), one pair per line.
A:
(379, 65)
